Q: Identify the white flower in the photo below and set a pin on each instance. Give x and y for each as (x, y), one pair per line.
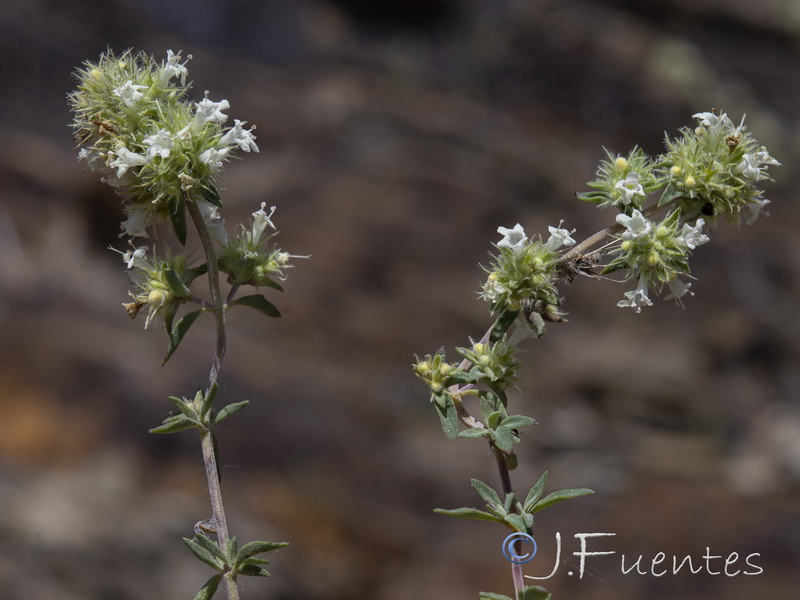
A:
(756, 208)
(558, 237)
(260, 221)
(215, 224)
(174, 68)
(125, 160)
(160, 144)
(213, 157)
(693, 236)
(630, 187)
(207, 111)
(678, 289)
(513, 239)
(136, 258)
(636, 225)
(752, 165)
(637, 298)
(140, 217)
(130, 93)
(244, 138)
(716, 124)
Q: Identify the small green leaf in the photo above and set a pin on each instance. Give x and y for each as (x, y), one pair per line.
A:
(509, 502)
(268, 282)
(176, 284)
(178, 218)
(177, 334)
(517, 421)
(535, 493)
(208, 399)
(534, 592)
(488, 494)
(182, 405)
(560, 496)
(502, 323)
(503, 438)
(258, 302)
(494, 419)
(491, 596)
(449, 418)
(469, 513)
(232, 550)
(473, 432)
(516, 521)
(175, 423)
(212, 546)
(169, 312)
(252, 570)
(250, 549)
(204, 555)
(511, 460)
(209, 589)
(229, 410)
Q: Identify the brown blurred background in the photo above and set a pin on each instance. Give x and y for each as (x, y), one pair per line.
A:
(395, 138)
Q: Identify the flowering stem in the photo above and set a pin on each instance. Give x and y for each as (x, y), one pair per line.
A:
(207, 438)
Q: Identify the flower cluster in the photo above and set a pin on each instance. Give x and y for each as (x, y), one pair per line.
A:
(655, 254)
(623, 180)
(160, 285)
(134, 125)
(247, 259)
(524, 270)
(714, 169)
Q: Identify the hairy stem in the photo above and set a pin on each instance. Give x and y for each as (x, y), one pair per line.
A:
(505, 479)
(207, 438)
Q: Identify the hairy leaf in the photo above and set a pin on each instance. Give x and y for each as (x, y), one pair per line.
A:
(560, 496)
(177, 334)
(258, 302)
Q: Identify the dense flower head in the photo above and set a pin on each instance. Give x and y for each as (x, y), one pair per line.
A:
(715, 168)
(655, 254)
(136, 126)
(524, 270)
(623, 180)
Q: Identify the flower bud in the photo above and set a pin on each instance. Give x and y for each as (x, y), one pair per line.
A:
(478, 348)
(661, 231)
(675, 170)
(155, 297)
(621, 163)
(689, 182)
(423, 369)
(436, 387)
(653, 259)
(445, 369)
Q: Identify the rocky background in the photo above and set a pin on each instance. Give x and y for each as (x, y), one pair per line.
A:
(395, 138)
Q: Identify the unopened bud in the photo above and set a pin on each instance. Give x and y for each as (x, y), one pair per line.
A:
(621, 163)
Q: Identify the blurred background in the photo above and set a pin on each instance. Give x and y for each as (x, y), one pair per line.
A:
(395, 138)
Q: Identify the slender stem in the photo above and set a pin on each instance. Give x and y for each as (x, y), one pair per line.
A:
(207, 438)
(505, 479)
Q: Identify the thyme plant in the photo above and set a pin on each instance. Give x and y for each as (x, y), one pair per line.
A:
(163, 154)
(709, 172)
